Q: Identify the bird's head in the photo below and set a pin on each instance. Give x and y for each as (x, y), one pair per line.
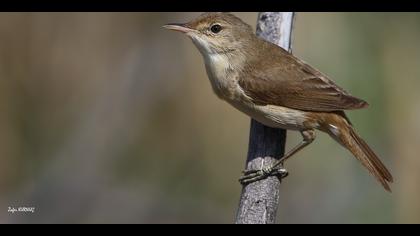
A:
(216, 32)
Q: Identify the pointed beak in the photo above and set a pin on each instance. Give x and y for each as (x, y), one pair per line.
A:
(178, 27)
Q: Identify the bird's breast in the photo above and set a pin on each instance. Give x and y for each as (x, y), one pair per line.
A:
(224, 81)
(222, 76)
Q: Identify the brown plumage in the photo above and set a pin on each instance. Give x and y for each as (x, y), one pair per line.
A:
(290, 82)
(347, 136)
(276, 88)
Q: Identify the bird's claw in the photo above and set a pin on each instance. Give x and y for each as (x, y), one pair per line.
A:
(251, 176)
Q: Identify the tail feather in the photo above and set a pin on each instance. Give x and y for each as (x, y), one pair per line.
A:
(372, 157)
(347, 136)
(370, 160)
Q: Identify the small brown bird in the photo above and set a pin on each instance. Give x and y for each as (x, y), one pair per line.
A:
(277, 89)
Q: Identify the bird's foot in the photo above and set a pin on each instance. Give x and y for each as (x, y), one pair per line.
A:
(251, 176)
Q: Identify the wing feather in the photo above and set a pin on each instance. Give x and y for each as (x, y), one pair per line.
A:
(292, 83)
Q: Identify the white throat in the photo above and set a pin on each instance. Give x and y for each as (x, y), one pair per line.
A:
(203, 45)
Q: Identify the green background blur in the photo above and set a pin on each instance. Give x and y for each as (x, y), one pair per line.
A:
(108, 118)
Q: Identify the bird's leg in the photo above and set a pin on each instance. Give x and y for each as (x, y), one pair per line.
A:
(277, 169)
(308, 138)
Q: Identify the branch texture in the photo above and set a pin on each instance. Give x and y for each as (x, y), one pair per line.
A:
(259, 200)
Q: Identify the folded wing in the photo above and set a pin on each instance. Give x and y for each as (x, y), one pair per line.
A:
(295, 84)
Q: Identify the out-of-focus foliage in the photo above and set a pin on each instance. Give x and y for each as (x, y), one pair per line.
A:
(106, 117)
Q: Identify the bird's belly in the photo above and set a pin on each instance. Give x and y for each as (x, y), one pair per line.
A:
(274, 116)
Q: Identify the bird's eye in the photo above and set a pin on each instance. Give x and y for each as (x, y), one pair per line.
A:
(216, 28)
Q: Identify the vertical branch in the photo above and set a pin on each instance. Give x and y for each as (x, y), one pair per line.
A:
(259, 200)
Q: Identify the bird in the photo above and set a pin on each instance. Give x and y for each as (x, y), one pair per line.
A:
(277, 89)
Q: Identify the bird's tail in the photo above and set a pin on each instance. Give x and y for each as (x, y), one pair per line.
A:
(342, 131)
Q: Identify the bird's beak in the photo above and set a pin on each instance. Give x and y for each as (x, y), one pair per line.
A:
(178, 27)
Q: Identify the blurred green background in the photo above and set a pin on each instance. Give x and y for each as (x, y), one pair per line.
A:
(108, 118)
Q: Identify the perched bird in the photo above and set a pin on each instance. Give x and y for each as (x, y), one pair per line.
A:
(276, 88)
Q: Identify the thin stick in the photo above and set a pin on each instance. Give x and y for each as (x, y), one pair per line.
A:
(259, 200)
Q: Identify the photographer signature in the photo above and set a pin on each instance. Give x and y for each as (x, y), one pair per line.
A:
(21, 209)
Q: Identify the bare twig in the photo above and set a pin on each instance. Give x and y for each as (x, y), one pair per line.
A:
(259, 200)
